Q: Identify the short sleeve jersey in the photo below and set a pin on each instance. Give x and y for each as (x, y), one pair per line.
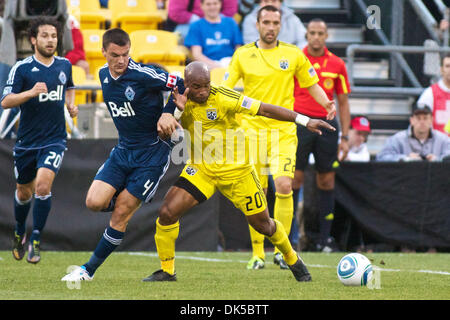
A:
(42, 121)
(333, 79)
(135, 101)
(217, 143)
(268, 75)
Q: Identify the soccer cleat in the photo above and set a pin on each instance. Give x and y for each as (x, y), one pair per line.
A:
(78, 274)
(18, 249)
(160, 275)
(300, 271)
(34, 252)
(255, 263)
(278, 260)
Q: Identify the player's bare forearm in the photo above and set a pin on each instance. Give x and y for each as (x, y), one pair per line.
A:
(344, 113)
(70, 96)
(13, 100)
(321, 98)
(275, 112)
(283, 114)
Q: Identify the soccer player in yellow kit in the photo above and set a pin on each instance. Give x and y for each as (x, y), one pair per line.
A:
(217, 162)
(267, 68)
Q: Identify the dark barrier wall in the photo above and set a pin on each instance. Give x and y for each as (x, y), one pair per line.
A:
(71, 226)
(399, 203)
(396, 203)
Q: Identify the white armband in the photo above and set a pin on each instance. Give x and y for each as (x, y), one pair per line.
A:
(177, 113)
(302, 120)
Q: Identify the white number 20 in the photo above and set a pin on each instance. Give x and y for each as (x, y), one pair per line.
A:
(53, 159)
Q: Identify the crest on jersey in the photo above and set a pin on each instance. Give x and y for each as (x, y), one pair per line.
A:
(129, 93)
(191, 170)
(211, 114)
(328, 83)
(62, 77)
(284, 64)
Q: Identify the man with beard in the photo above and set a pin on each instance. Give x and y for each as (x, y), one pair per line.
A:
(267, 67)
(40, 85)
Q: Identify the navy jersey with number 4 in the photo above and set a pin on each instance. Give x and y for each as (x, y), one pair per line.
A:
(135, 101)
(42, 121)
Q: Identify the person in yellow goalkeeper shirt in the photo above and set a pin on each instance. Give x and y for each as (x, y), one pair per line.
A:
(216, 163)
(267, 68)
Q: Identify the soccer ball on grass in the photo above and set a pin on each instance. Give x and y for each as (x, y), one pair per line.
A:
(354, 269)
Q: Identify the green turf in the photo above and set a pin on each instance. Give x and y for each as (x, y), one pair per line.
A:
(222, 276)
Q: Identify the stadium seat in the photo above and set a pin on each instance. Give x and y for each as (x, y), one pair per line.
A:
(132, 15)
(176, 70)
(156, 46)
(93, 48)
(79, 79)
(218, 76)
(88, 13)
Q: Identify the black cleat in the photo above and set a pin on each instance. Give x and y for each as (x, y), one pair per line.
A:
(18, 250)
(160, 275)
(300, 271)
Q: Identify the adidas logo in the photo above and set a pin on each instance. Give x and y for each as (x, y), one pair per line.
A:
(34, 69)
(106, 80)
(253, 56)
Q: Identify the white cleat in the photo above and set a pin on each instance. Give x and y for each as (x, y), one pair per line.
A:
(78, 274)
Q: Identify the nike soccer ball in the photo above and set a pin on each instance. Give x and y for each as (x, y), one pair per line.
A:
(354, 269)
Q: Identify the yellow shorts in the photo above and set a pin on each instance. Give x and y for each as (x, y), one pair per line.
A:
(244, 192)
(275, 155)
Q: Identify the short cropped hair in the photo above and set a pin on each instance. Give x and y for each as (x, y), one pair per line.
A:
(116, 36)
(267, 8)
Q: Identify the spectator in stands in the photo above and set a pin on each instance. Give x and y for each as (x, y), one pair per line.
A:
(103, 3)
(246, 6)
(77, 56)
(437, 97)
(418, 142)
(292, 29)
(214, 38)
(181, 13)
(357, 140)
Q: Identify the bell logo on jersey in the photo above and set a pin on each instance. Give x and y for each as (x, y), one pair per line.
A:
(125, 111)
(55, 95)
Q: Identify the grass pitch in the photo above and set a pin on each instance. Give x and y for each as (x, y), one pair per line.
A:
(222, 276)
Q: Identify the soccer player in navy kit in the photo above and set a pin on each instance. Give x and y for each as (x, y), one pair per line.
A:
(40, 85)
(131, 175)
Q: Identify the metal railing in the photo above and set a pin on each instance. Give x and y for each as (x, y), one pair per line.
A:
(352, 49)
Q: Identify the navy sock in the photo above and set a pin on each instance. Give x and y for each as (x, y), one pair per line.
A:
(21, 210)
(41, 209)
(294, 235)
(326, 213)
(110, 240)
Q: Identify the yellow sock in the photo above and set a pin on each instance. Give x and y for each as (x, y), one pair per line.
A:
(283, 211)
(165, 238)
(257, 243)
(281, 241)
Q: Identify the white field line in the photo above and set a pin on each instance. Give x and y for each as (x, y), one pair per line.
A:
(309, 265)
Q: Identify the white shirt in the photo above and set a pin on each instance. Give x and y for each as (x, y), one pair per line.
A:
(427, 99)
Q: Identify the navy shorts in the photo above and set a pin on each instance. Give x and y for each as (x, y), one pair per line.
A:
(324, 148)
(28, 161)
(137, 170)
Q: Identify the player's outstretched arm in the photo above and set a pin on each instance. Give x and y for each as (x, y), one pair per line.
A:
(320, 96)
(283, 114)
(16, 99)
